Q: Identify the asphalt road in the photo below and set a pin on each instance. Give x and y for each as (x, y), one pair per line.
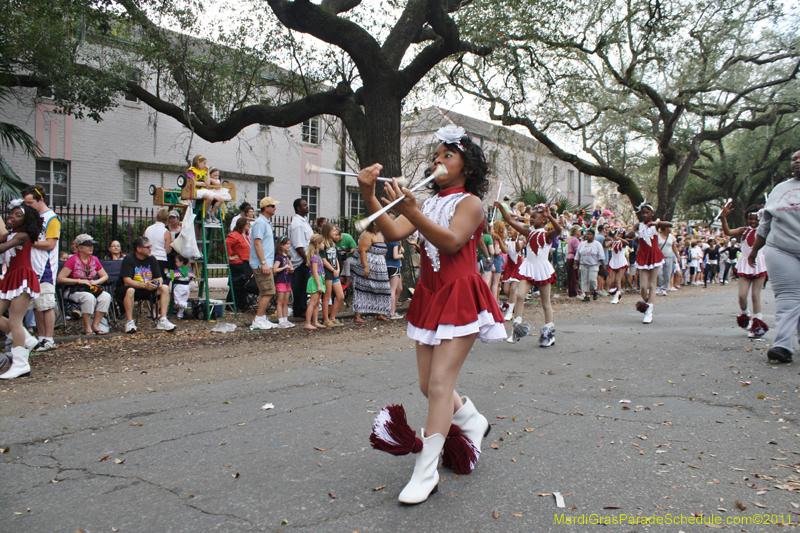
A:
(708, 423)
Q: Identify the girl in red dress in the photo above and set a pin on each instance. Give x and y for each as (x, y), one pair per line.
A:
(19, 284)
(536, 268)
(648, 257)
(451, 307)
(751, 279)
(514, 245)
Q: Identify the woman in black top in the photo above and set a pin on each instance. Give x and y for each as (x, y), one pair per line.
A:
(711, 257)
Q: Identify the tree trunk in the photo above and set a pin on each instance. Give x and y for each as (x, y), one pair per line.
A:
(383, 116)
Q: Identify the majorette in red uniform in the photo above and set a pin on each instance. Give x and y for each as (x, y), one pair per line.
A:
(535, 270)
(649, 257)
(743, 268)
(19, 284)
(536, 267)
(451, 299)
(20, 276)
(451, 306)
(749, 277)
(618, 259)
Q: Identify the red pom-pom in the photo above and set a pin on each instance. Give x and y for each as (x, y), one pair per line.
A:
(459, 453)
(391, 432)
(759, 327)
(641, 306)
(743, 320)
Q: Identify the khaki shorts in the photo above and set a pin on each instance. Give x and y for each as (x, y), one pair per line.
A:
(265, 283)
(46, 299)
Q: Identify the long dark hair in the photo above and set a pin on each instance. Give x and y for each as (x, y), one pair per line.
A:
(476, 169)
(32, 223)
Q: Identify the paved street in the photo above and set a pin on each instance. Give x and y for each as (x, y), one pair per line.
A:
(708, 424)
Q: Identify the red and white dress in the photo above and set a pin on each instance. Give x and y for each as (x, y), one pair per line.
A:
(742, 266)
(20, 276)
(618, 259)
(649, 255)
(511, 271)
(536, 267)
(451, 299)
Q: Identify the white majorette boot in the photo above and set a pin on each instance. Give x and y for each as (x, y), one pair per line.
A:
(743, 319)
(615, 300)
(473, 424)
(19, 363)
(30, 341)
(425, 479)
(510, 312)
(648, 314)
(548, 336)
(758, 328)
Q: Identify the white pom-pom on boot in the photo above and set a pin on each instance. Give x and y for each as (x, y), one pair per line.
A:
(425, 479)
(473, 424)
(19, 363)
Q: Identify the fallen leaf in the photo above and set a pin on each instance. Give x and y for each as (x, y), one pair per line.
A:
(119, 461)
(495, 514)
(502, 417)
(379, 488)
(760, 505)
(319, 449)
(519, 515)
(5, 450)
(332, 495)
(696, 467)
(611, 507)
(494, 446)
(740, 505)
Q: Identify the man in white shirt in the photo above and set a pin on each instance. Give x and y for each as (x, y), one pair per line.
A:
(44, 260)
(300, 233)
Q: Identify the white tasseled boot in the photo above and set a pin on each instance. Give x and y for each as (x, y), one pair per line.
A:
(425, 479)
(30, 341)
(648, 315)
(510, 312)
(473, 424)
(615, 300)
(19, 363)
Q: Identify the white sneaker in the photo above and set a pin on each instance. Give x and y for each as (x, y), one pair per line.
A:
(165, 325)
(44, 346)
(262, 324)
(130, 326)
(672, 289)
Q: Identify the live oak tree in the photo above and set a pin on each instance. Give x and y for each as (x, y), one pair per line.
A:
(593, 80)
(743, 166)
(217, 80)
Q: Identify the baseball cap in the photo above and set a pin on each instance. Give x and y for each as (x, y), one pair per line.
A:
(82, 239)
(267, 200)
(174, 213)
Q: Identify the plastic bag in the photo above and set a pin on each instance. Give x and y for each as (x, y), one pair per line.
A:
(186, 243)
(224, 327)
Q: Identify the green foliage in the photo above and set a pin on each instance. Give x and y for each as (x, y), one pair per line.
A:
(533, 197)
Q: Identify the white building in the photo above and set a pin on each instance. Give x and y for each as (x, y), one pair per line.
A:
(116, 160)
(518, 161)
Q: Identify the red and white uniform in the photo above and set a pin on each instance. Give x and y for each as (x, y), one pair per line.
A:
(742, 266)
(511, 271)
(648, 256)
(451, 299)
(618, 259)
(536, 267)
(20, 276)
